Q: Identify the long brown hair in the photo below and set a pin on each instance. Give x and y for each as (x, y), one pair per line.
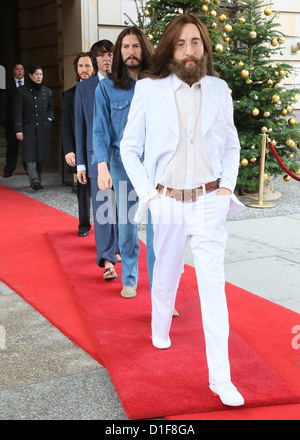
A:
(165, 48)
(119, 73)
(76, 60)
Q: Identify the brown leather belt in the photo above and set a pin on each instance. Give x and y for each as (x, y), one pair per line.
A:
(188, 195)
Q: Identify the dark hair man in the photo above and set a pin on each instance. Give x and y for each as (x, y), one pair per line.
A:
(12, 149)
(106, 232)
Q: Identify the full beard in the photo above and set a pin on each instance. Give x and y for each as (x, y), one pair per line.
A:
(189, 73)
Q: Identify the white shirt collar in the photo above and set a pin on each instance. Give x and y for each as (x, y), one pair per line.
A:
(17, 80)
(177, 82)
(100, 76)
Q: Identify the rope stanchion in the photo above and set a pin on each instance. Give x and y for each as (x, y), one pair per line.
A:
(281, 163)
(261, 203)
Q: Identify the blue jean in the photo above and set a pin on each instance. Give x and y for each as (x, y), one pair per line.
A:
(128, 232)
(106, 233)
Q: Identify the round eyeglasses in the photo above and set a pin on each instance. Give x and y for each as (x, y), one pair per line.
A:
(182, 45)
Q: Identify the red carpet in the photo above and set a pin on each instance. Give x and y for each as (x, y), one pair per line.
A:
(149, 382)
(29, 267)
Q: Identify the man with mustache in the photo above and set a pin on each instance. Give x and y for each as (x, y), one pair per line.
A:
(84, 69)
(132, 55)
(181, 120)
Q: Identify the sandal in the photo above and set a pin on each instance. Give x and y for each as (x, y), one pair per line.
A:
(110, 273)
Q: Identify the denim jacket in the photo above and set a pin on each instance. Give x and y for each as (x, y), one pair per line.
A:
(110, 117)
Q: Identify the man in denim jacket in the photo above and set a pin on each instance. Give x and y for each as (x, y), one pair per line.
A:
(113, 97)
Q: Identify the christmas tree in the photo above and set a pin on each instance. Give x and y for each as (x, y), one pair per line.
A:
(259, 96)
(244, 37)
(154, 15)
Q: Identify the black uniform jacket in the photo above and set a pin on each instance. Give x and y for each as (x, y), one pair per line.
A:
(33, 117)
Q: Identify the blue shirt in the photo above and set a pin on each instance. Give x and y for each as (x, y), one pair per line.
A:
(110, 117)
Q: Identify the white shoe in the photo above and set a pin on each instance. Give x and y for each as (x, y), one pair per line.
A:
(228, 393)
(160, 343)
(175, 313)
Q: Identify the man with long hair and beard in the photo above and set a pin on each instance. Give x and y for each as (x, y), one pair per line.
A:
(181, 119)
(132, 55)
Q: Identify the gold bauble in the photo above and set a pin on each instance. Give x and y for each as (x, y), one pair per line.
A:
(216, 2)
(206, 1)
(244, 162)
(241, 20)
(266, 114)
(269, 82)
(281, 72)
(219, 48)
(222, 18)
(292, 121)
(281, 40)
(268, 11)
(240, 63)
(255, 112)
(296, 98)
(274, 42)
(275, 98)
(289, 108)
(252, 34)
(266, 176)
(289, 142)
(284, 111)
(286, 178)
(204, 8)
(274, 142)
(230, 91)
(226, 39)
(253, 159)
(213, 13)
(298, 172)
(227, 28)
(249, 81)
(213, 25)
(245, 73)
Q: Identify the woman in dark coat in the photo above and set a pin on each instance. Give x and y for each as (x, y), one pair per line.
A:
(33, 120)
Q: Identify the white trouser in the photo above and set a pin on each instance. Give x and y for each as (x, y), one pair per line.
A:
(203, 223)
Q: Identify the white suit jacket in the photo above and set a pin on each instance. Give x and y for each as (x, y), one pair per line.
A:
(153, 129)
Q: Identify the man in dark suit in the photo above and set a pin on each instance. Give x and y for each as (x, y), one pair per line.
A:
(105, 231)
(12, 148)
(84, 69)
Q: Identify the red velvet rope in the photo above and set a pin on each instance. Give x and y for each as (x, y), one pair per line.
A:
(282, 164)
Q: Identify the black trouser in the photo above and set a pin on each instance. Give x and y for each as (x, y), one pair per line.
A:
(12, 150)
(84, 197)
